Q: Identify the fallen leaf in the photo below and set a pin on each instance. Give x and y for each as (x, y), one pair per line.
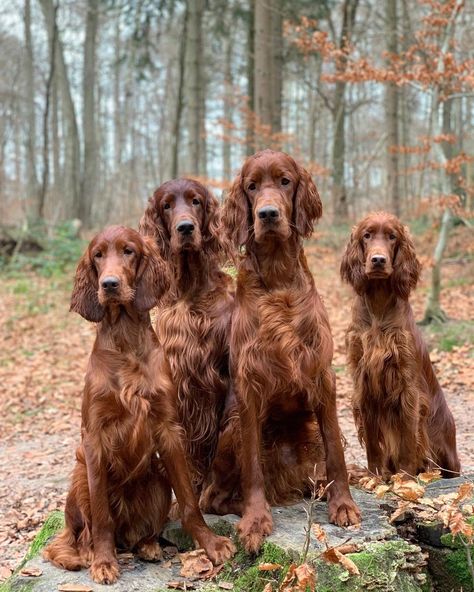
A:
(74, 588)
(409, 490)
(268, 588)
(348, 548)
(319, 532)
(381, 490)
(195, 564)
(464, 492)
(269, 566)
(5, 572)
(226, 585)
(402, 508)
(181, 585)
(430, 476)
(332, 555)
(33, 572)
(306, 577)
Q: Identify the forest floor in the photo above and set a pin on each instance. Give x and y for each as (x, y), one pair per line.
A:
(45, 349)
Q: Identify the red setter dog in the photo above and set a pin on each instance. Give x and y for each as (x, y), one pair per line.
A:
(399, 408)
(281, 350)
(194, 317)
(121, 491)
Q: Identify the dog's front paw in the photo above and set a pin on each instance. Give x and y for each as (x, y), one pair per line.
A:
(219, 549)
(253, 528)
(150, 551)
(105, 572)
(344, 513)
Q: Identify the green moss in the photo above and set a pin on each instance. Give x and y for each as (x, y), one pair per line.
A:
(456, 565)
(456, 542)
(243, 570)
(54, 523)
(386, 566)
(222, 528)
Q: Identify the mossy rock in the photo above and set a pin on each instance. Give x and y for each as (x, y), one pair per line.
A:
(391, 566)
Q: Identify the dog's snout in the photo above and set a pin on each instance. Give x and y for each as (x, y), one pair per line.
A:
(378, 260)
(268, 213)
(185, 227)
(110, 283)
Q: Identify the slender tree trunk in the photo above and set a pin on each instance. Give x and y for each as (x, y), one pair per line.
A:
(262, 63)
(277, 66)
(52, 37)
(339, 193)
(33, 186)
(195, 80)
(391, 111)
(118, 134)
(72, 155)
(228, 107)
(179, 98)
(89, 177)
(250, 127)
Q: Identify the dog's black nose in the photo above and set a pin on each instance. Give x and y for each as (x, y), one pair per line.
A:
(185, 227)
(378, 260)
(268, 213)
(110, 283)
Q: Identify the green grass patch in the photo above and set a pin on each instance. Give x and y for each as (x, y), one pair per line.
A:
(447, 336)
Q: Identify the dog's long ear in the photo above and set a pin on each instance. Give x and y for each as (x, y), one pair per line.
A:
(212, 233)
(236, 215)
(152, 276)
(352, 265)
(151, 224)
(85, 298)
(308, 207)
(406, 267)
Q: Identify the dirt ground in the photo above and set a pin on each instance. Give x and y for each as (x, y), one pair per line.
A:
(44, 353)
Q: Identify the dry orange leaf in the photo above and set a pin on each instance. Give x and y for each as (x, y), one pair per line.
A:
(268, 588)
(430, 476)
(181, 585)
(33, 572)
(464, 492)
(75, 588)
(269, 566)
(319, 532)
(332, 555)
(195, 564)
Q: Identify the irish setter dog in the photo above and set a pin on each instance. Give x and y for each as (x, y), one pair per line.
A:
(399, 407)
(281, 350)
(194, 317)
(121, 491)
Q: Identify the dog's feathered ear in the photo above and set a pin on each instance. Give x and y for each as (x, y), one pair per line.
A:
(85, 298)
(308, 207)
(352, 265)
(151, 224)
(152, 276)
(212, 238)
(236, 214)
(406, 267)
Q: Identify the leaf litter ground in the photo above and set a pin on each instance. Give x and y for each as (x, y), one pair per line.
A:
(43, 360)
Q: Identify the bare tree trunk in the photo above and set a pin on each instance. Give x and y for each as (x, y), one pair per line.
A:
(339, 193)
(72, 155)
(33, 186)
(52, 37)
(276, 63)
(89, 178)
(180, 97)
(391, 111)
(268, 65)
(250, 131)
(228, 110)
(433, 311)
(194, 77)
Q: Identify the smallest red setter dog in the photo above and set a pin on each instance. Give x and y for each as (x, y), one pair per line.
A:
(121, 490)
(399, 407)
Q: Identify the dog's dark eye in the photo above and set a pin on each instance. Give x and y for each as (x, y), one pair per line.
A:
(367, 235)
(252, 187)
(167, 206)
(196, 202)
(392, 236)
(127, 251)
(285, 181)
(98, 255)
